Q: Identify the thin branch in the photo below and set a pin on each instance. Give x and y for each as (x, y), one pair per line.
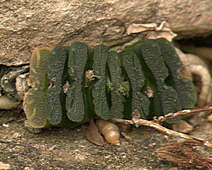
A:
(141, 122)
(168, 116)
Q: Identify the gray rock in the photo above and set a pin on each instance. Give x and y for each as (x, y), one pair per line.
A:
(25, 25)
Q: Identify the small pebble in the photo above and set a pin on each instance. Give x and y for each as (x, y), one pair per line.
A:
(5, 125)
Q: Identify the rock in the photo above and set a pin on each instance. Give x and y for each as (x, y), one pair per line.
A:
(45, 23)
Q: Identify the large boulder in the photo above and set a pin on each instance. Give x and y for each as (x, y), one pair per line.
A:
(26, 25)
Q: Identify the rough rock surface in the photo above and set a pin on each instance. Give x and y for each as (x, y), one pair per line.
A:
(25, 24)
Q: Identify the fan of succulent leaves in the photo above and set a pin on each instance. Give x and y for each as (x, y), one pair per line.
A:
(71, 85)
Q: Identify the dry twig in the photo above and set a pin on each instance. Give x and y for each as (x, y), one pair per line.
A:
(168, 116)
(141, 122)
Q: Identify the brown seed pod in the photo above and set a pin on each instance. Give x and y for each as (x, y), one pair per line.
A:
(110, 131)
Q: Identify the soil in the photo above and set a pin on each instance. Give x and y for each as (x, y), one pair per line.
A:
(63, 148)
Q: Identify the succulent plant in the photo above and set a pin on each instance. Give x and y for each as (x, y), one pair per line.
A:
(71, 85)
